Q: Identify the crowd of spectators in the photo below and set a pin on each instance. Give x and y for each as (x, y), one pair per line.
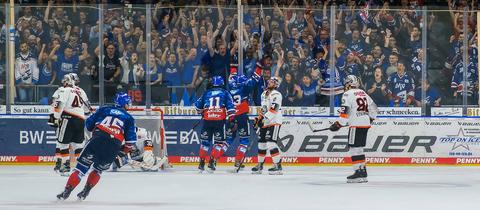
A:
(378, 41)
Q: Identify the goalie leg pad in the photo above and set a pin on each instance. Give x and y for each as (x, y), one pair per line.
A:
(148, 159)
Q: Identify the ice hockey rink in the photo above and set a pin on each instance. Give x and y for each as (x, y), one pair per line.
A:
(392, 188)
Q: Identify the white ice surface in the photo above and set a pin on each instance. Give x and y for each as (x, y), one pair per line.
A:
(389, 188)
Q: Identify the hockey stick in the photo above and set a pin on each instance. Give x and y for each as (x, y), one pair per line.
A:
(250, 145)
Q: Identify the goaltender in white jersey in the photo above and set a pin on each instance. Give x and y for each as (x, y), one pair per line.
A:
(357, 112)
(141, 156)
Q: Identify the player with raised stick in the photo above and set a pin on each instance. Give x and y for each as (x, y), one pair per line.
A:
(357, 112)
(112, 127)
(240, 87)
(269, 122)
(216, 106)
(69, 107)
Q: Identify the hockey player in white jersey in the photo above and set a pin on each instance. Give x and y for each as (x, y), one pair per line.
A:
(69, 107)
(357, 112)
(269, 122)
(141, 157)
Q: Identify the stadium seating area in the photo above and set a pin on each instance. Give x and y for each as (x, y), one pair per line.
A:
(381, 42)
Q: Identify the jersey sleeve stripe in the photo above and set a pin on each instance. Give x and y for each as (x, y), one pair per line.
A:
(344, 115)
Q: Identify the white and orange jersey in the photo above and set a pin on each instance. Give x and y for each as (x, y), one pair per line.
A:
(70, 100)
(271, 108)
(357, 109)
(143, 140)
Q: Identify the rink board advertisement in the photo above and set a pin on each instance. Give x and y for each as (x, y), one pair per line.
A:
(390, 141)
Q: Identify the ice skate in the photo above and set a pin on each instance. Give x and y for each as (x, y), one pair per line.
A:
(258, 168)
(238, 166)
(58, 165)
(65, 194)
(276, 169)
(84, 193)
(65, 169)
(201, 165)
(360, 176)
(212, 163)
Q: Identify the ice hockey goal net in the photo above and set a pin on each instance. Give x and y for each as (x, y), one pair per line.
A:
(152, 121)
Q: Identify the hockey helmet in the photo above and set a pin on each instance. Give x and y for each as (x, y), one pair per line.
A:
(68, 80)
(75, 78)
(232, 81)
(235, 80)
(217, 81)
(122, 99)
(352, 80)
(276, 81)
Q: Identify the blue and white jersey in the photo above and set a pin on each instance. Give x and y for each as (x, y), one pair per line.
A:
(45, 74)
(352, 69)
(114, 121)
(241, 93)
(309, 93)
(358, 46)
(334, 86)
(432, 95)
(401, 86)
(65, 65)
(26, 69)
(416, 66)
(171, 74)
(472, 77)
(216, 104)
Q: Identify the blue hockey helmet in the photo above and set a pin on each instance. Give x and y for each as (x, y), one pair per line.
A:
(241, 79)
(232, 81)
(217, 81)
(122, 99)
(235, 80)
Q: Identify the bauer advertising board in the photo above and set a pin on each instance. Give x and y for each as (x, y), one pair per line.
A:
(390, 141)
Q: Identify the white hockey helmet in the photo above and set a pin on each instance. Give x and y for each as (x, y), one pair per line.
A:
(352, 80)
(75, 77)
(276, 80)
(68, 80)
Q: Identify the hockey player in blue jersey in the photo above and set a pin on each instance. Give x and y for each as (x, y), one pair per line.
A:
(240, 87)
(216, 106)
(112, 127)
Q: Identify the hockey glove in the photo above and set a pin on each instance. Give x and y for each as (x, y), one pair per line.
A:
(335, 126)
(52, 121)
(127, 148)
(257, 122)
